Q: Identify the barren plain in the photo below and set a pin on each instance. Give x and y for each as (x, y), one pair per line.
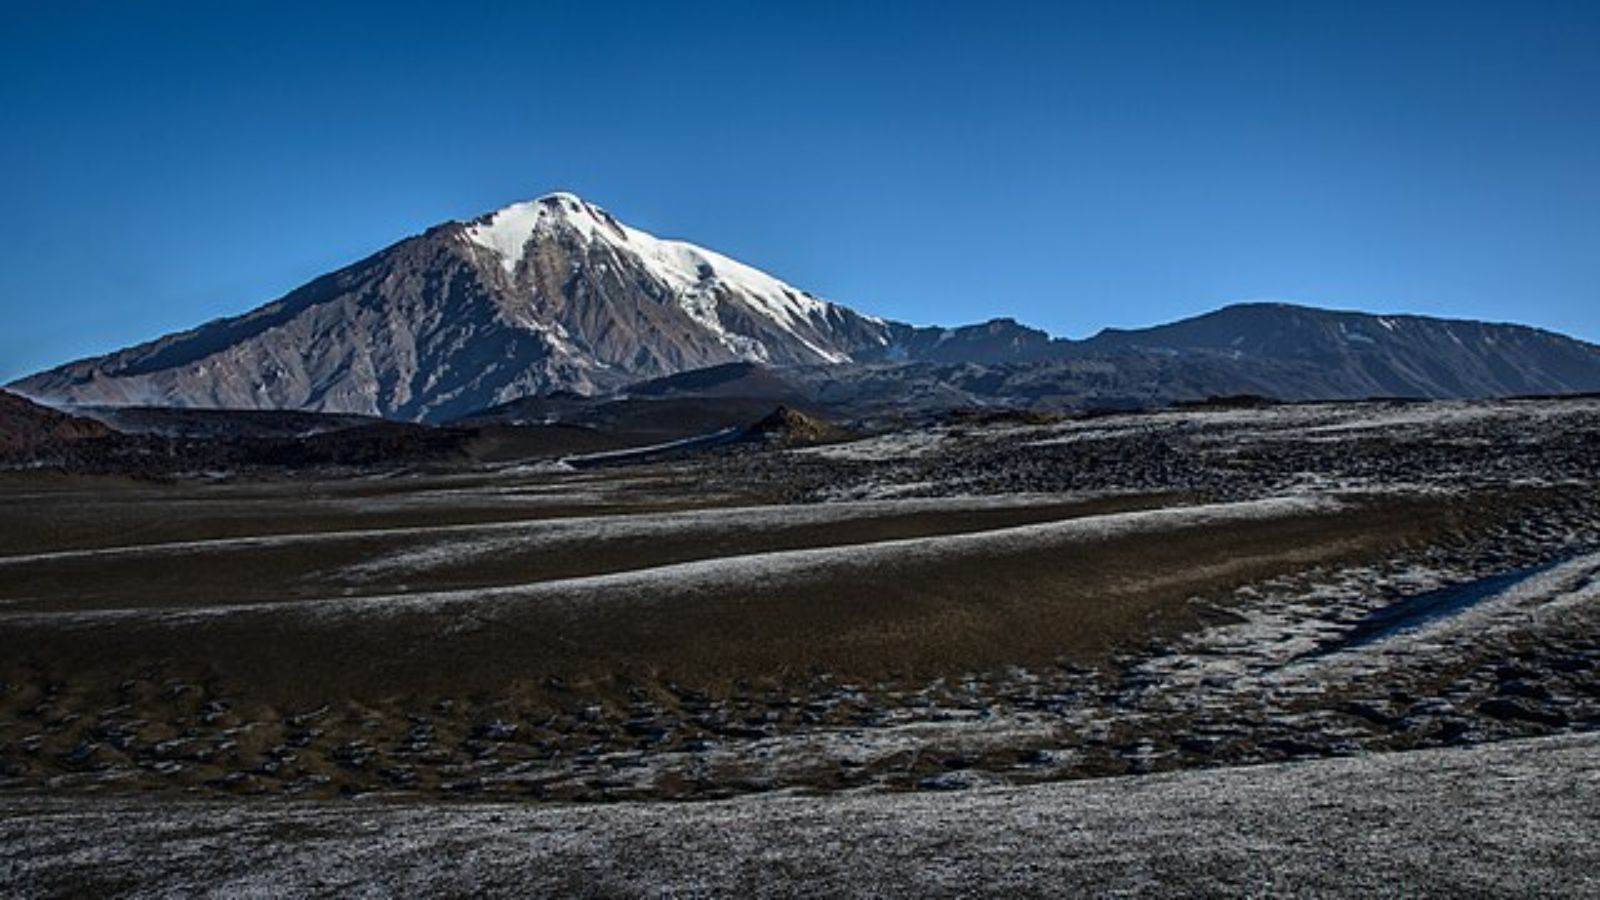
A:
(976, 604)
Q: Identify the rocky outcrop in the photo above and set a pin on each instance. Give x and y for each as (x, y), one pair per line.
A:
(792, 427)
(28, 428)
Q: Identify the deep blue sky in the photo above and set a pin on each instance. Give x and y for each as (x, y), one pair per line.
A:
(1072, 165)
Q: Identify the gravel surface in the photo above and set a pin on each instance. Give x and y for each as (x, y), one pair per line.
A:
(1513, 818)
(1219, 454)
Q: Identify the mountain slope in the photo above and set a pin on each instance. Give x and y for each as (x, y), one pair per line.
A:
(741, 379)
(550, 294)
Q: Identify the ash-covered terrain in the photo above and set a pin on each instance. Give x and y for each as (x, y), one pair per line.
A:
(993, 599)
(1507, 819)
(963, 602)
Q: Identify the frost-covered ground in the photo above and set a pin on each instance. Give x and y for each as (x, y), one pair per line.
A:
(747, 571)
(1004, 601)
(464, 543)
(1519, 818)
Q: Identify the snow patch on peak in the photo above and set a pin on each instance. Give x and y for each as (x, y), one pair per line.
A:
(698, 276)
(506, 232)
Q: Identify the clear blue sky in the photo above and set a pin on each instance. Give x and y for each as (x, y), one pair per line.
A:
(1072, 165)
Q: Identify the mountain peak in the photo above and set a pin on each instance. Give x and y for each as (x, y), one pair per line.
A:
(567, 197)
(507, 231)
(558, 202)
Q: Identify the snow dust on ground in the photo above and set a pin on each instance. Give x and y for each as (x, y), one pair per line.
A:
(1515, 818)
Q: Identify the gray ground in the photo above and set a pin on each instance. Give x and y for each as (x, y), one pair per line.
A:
(1518, 818)
(276, 685)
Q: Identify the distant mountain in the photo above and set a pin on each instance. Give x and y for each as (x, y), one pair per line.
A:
(1368, 355)
(995, 341)
(518, 308)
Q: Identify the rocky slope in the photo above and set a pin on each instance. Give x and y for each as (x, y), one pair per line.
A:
(28, 428)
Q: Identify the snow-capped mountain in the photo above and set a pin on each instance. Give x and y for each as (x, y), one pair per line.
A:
(550, 294)
(557, 295)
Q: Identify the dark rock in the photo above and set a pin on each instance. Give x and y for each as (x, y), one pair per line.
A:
(1371, 712)
(1527, 689)
(1508, 710)
(1293, 747)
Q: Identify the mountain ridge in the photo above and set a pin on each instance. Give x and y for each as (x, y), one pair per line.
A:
(556, 294)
